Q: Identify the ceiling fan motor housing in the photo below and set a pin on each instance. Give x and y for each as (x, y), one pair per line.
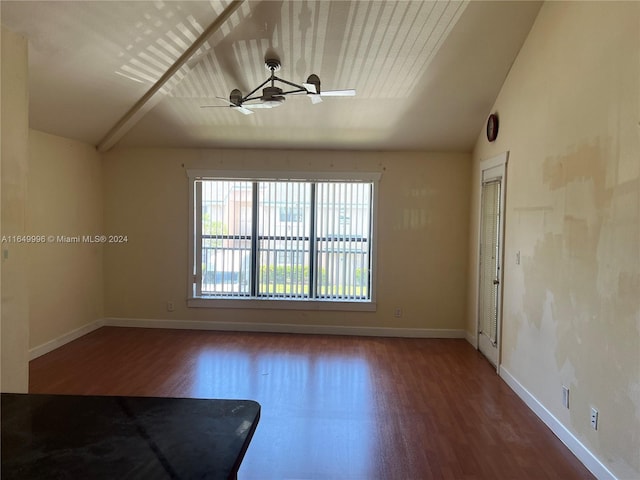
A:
(235, 97)
(272, 95)
(315, 81)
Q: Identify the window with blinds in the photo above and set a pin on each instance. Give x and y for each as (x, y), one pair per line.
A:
(283, 240)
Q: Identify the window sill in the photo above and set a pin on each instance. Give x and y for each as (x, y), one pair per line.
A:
(207, 302)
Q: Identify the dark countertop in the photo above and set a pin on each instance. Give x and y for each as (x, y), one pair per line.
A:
(105, 437)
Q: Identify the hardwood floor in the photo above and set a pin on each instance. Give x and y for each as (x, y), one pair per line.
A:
(333, 407)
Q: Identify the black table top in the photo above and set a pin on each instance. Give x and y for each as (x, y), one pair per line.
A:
(107, 437)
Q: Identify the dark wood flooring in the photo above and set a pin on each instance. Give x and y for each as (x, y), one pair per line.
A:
(343, 408)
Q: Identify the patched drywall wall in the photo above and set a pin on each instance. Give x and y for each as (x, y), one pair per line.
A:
(423, 214)
(570, 119)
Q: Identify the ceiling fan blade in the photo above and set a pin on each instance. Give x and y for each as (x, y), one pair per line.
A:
(338, 93)
(239, 108)
(255, 105)
(243, 110)
(226, 100)
(310, 87)
(313, 96)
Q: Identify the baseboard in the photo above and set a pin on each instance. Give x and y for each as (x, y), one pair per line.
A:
(286, 328)
(579, 450)
(57, 342)
(472, 338)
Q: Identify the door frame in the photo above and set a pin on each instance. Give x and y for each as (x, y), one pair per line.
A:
(501, 159)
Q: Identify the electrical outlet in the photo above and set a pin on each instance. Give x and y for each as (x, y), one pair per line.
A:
(565, 396)
(594, 418)
(397, 312)
(170, 307)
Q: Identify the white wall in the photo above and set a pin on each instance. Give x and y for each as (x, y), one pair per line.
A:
(569, 116)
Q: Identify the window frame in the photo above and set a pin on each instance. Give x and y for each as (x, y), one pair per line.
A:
(195, 244)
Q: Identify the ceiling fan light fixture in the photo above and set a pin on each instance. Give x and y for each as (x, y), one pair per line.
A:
(274, 101)
(272, 96)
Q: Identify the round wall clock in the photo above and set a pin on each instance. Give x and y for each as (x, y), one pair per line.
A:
(492, 127)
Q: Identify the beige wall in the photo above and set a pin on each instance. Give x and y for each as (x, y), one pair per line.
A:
(422, 223)
(15, 133)
(569, 116)
(64, 199)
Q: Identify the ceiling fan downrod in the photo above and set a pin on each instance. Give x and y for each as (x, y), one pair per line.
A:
(272, 96)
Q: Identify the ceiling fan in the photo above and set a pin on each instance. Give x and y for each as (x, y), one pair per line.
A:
(273, 96)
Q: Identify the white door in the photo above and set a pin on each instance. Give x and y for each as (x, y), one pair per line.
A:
(491, 224)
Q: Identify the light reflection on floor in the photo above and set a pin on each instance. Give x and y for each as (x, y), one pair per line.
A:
(316, 409)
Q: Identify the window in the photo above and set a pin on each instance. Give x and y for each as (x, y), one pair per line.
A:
(287, 240)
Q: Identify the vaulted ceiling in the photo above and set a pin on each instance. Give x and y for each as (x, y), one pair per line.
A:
(426, 72)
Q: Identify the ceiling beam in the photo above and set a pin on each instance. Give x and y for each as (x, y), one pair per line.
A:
(146, 102)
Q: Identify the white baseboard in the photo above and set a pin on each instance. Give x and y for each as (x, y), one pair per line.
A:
(47, 347)
(286, 328)
(472, 338)
(51, 345)
(579, 450)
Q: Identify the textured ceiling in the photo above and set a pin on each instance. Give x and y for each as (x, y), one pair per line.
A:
(426, 73)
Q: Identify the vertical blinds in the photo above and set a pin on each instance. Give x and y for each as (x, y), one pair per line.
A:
(343, 243)
(283, 239)
(292, 240)
(226, 219)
